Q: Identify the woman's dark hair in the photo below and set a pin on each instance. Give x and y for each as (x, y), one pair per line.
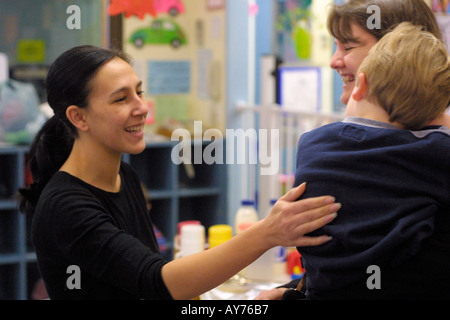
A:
(68, 83)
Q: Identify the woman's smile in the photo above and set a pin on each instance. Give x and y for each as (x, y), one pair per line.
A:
(136, 130)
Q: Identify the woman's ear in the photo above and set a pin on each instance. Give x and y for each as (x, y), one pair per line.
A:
(360, 89)
(77, 117)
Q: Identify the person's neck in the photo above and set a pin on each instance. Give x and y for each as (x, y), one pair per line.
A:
(94, 165)
(442, 120)
(369, 110)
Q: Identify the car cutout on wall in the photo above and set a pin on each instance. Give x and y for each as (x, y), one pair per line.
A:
(161, 31)
(172, 7)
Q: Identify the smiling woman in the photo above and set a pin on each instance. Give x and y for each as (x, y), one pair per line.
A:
(348, 24)
(69, 97)
(88, 208)
(115, 114)
(348, 56)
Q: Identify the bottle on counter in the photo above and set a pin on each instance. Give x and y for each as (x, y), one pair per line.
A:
(245, 216)
(218, 234)
(192, 240)
(177, 238)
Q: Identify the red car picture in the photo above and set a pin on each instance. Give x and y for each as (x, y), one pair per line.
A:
(172, 7)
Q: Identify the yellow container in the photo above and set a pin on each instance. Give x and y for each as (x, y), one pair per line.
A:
(218, 234)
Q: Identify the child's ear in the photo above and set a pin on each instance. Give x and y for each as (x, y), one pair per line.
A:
(360, 89)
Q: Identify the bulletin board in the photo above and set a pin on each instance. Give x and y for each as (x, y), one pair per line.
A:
(300, 88)
(179, 54)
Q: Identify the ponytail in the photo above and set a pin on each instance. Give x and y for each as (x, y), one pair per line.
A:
(48, 152)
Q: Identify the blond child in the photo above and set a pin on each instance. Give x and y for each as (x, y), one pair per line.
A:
(390, 172)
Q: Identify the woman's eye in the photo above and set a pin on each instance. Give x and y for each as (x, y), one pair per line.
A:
(121, 99)
(140, 93)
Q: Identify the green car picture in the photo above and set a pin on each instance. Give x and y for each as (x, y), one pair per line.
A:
(161, 31)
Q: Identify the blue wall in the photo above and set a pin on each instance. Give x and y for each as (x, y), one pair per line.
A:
(237, 78)
(236, 87)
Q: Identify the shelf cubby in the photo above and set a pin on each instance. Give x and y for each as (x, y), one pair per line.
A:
(173, 194)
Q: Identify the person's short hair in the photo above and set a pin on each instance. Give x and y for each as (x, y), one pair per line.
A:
(408, 74)
(392, 13)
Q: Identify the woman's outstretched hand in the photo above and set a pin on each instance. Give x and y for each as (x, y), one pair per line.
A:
(290, 219)
(286, 225)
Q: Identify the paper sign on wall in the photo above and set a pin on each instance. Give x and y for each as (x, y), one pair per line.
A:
(31, 51)
(169, 77)
(171, 107)
(204, 59)
(300, 88)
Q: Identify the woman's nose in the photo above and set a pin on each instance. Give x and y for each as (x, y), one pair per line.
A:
(337, 60)
(141, 107)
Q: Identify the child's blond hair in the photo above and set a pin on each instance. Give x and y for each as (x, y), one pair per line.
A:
(408, 74)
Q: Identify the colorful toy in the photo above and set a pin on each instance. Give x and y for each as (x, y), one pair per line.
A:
(161, 31)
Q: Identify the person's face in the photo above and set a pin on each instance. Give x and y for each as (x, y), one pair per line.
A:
(348, 57)
(117, 109)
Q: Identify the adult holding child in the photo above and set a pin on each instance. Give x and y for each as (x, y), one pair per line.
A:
(348, 25)
(389, 168)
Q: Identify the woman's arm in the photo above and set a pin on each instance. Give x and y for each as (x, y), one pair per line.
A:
(286, 225)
